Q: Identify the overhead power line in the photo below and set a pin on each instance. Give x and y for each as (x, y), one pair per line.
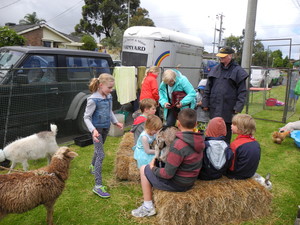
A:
(296, 3)
(65, 11)
(9, 4)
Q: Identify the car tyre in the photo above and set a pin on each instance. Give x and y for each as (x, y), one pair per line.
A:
(80, 124)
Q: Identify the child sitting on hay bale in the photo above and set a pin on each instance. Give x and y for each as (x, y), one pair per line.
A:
(182, 166)
(143, 154)
(245, 148)
(147, 107)
(217, 155)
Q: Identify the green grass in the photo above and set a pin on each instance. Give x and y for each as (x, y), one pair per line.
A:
(78, 205)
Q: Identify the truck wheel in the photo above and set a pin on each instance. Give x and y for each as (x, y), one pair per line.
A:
(80, 124)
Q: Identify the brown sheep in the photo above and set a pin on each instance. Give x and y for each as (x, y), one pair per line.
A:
(23, 191)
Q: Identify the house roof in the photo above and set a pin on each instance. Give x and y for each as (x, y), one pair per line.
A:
(24, 28)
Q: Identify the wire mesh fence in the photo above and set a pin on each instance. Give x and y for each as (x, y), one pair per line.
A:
(29, 107)
(274, 100)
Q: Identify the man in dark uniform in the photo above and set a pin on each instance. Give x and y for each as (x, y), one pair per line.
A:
(225, 92)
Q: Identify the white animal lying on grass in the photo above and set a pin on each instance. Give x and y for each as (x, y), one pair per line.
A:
(291, 126)
(35, 146)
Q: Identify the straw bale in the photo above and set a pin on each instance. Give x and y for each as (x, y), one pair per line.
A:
(121, 167)
(133, 171)
(221, 201)
(125, 164)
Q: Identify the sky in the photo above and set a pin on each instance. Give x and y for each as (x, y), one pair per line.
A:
(275, 19)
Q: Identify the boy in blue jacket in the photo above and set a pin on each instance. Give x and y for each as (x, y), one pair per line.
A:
(245, 148)
(217, 155)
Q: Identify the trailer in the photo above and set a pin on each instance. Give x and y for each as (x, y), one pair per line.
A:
(153, 46)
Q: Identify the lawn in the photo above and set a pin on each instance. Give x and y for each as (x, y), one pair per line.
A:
(78, 204)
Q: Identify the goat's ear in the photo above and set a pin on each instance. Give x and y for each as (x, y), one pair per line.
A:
(268, 176)
(72, 154)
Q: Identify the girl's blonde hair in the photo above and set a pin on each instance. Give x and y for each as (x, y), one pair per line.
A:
(245, 124)
(104, 78)
(152, 69)
(153, 122)
(169, 75)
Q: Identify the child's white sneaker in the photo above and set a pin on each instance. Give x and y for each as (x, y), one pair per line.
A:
(142, 211)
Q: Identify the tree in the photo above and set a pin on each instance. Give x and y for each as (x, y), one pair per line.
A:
(89, 43)
(236, 43)
(115, 41)
(9, 37)
(260, 58)
(258, 47)
(141, 18)
(276, 54)
(277, 62)
(99, 16)
(31, 19)
(287, 63)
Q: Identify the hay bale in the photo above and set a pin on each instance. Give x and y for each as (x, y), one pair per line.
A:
(121, 167)
(133, 171)
(221, 201)
(125, 164)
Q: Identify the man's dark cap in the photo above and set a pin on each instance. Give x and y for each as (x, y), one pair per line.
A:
(225, 51)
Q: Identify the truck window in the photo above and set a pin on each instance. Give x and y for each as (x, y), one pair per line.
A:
(99, 66)
(7, 59)
(81, 68)
(35, 67)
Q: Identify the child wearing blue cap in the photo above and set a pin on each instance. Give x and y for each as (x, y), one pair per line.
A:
(202, 116)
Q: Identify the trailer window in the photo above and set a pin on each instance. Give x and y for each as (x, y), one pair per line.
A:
(134, 59)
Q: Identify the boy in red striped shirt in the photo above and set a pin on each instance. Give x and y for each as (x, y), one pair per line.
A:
(182, 167)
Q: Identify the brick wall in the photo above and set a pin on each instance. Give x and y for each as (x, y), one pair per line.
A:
(34, 38)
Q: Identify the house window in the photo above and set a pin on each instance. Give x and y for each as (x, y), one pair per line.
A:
(47, 44)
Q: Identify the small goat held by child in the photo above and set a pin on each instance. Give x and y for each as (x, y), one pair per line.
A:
(164, 138)
(35, 146)
(23, 191)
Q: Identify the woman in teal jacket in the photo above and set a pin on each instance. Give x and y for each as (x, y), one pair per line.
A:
(173, 81)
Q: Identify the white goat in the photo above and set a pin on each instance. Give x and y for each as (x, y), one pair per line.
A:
(291, 126)
(35, 146)
(263, 181)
